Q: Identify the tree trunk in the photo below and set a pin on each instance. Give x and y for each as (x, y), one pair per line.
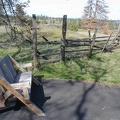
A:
(92, 43)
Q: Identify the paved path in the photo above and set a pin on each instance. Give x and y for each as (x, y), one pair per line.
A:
(73, 100)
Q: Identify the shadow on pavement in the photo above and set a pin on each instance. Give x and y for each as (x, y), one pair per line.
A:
(81, 111)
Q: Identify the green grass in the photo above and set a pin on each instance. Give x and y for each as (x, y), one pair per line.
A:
(9, 51)
(2, 29)
(52, 33)
(55, 33)
(102, 68)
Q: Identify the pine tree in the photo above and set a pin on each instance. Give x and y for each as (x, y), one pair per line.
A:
(95, 12)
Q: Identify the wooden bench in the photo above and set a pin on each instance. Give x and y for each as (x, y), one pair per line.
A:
(16, 81)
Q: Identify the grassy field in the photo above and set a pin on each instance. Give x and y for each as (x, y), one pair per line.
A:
(102, 67)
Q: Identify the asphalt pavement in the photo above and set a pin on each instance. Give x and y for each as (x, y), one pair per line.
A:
(71, 100)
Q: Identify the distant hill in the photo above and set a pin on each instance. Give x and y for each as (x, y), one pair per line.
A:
(117, 21)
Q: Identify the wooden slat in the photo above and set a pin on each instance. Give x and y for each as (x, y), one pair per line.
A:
(17, 65)
(10, 65)
(20, 85)
(26, 94)
(24, 77)
(49, 54)
(7, 94)
(2, 103)
(2, 89)
(26, 66)
(1, 73)
(77, 45)
(7, 73)
(80, 50)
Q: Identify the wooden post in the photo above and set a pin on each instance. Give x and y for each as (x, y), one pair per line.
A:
(92, 43)
(119, 28)
(106, 43)
(89, 32)
(35, 59)
(64, 27)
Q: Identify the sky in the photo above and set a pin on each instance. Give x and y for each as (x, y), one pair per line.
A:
(71, 8)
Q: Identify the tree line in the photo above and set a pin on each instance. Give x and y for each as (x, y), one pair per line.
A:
(12, 13)
(73, 23)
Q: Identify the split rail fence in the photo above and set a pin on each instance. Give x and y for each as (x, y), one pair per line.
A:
(67, 49)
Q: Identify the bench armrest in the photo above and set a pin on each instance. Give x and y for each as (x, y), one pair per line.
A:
(26, 66)
(20, 85)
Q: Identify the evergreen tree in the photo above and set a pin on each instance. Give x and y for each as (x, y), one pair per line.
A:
(95, 12)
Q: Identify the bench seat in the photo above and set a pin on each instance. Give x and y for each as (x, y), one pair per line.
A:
(23, 80)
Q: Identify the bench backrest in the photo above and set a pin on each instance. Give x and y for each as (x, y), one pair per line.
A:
(7, 69)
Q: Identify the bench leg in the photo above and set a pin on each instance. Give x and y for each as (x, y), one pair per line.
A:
(26, 94)
(2, 103)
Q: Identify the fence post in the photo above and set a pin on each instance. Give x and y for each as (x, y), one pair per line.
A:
(64, 28)
(92, 43)
(89, 33)
(35, 59)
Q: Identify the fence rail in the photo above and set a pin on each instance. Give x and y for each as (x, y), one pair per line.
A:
(74, 48)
